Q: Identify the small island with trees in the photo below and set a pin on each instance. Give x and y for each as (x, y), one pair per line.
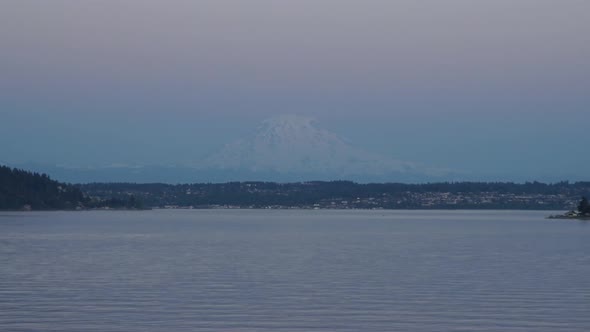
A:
(582, 213)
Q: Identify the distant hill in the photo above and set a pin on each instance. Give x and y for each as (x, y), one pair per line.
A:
(21, 189)
(349, 195)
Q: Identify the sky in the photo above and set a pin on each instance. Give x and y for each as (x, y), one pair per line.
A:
(489, 87)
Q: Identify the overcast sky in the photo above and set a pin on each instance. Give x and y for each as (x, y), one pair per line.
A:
(496, 86)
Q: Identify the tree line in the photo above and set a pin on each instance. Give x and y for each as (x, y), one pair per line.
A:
(25, 190)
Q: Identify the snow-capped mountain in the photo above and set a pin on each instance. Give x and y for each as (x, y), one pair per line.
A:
(286, 148)
(291, 144)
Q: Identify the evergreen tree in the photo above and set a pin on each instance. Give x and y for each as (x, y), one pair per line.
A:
(584, 206)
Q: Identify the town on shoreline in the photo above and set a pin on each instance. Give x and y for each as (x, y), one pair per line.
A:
(347, 195)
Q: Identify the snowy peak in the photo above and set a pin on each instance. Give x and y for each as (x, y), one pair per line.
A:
(285, 143)
(287, 122)
(292, 130)
(291, 144)
(284, 129)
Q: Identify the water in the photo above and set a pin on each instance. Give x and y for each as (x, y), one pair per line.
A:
(236, 270)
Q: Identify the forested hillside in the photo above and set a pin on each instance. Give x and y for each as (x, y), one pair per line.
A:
(21, 189)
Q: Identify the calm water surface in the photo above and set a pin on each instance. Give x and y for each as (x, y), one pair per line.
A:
(235, 270)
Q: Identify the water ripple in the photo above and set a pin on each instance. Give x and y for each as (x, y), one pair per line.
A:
(293, 271)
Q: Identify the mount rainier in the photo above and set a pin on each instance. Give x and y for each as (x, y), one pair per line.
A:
(293, 147)
(285, 148)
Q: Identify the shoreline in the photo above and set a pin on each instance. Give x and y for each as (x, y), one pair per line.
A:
(563, 217)
(292, 209)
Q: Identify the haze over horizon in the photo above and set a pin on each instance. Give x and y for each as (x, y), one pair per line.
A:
(493, 89)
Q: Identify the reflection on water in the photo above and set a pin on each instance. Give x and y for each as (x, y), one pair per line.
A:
(223, 270)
